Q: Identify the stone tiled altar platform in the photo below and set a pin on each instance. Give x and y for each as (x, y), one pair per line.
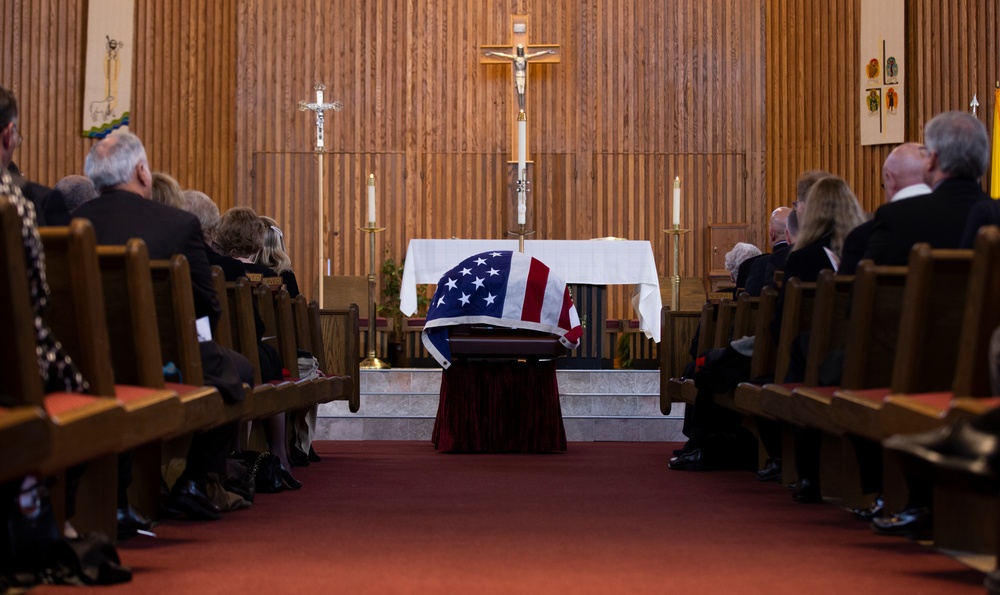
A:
(597, 405)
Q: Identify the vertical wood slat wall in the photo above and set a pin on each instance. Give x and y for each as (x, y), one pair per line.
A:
(645, 92)
(183, 89)
(813, 87)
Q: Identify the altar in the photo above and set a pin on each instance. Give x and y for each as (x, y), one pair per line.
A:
(584, 262)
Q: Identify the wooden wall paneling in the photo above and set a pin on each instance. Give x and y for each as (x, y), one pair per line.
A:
(951, 55)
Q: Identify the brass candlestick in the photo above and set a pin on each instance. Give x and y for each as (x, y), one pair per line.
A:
(372, 362)
(675, 279)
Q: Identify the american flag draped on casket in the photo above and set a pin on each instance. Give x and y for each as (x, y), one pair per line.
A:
(502, 288)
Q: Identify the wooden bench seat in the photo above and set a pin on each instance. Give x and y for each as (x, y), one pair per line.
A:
(25, 440)
(969, 374)
(936, 292)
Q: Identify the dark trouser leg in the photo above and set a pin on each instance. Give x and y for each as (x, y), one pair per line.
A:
(770, 436)
(869, 455)
(208, 452)
(124, 478)
(807, 444)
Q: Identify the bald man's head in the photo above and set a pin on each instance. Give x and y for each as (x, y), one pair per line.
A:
(776, 228)
(905, 166)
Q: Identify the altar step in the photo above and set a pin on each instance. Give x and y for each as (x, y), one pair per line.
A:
(597, 405)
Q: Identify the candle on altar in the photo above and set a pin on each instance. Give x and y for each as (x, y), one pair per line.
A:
(371, 200)
(677, 201)
(522, 158)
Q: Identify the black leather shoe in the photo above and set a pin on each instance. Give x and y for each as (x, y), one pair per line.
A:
(771, 470)
(687, 461)
(807, 492)
(915, 523)
(874, 510)
(189, 499)
(297, 458)
(287, 481)
(313, 457)
(131, 522)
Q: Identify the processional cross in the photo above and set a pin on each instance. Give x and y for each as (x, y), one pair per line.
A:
(520, 54)
(319, 107)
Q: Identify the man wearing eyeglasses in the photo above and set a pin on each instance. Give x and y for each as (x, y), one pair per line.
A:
(50, 205)
(957, 155)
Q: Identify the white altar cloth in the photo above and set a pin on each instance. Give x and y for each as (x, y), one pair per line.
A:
(586, 262)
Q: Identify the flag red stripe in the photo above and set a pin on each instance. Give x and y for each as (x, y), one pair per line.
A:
(534, 291)
(564, 313)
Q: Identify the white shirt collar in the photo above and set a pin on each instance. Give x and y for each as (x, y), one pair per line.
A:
(913, 190)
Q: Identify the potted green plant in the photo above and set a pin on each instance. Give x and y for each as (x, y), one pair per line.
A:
(392, 282)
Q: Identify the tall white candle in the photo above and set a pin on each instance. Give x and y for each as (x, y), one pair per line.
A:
(371, 200)
(677, 201)
(522, 158)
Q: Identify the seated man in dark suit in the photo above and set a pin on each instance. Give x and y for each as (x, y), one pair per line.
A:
(902, 177)
(757, 277)
(119, 169)
(958, 152)
(50, 206)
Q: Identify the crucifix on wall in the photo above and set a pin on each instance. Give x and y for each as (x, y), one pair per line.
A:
(519, 54)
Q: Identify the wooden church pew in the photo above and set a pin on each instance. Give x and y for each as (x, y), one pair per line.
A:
(929, 324)
(970, 378)
(338, 331)
(79, 428)
(175, 317)
(767, 400)
(137, 357)
(309, 338)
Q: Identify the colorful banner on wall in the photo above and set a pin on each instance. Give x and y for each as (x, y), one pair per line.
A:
(107, 93)
(883, 70)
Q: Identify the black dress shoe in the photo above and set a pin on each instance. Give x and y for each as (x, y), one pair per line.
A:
(287, 481)
(771, 470)
(874, 510)
(915, 523)
(687, 461)
(313, 457)
(189, 499)
(808, 492)
(131, 522)
(297, 458)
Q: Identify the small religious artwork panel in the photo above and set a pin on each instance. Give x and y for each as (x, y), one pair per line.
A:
(882, 70)
(107, 93)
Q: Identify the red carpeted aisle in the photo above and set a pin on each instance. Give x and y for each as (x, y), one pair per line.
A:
(398, 517)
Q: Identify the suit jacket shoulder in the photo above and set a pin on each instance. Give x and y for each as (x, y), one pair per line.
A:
(937, 218)
(986, 212)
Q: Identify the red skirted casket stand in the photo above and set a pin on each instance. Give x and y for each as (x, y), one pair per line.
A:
(500, 393)
(495, 323)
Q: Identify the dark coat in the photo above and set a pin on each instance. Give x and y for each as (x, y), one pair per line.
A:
(986, 212)
(855, 245)
(118, 215)
(763, 269)
(937, 218)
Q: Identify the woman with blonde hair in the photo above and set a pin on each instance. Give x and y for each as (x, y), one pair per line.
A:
(273, 255)
(167, 191)
(833, 212)
(302, 423)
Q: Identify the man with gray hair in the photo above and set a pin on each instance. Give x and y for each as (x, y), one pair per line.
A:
(957, 156)
(204, 208)
(119, 169)
(77, 190)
